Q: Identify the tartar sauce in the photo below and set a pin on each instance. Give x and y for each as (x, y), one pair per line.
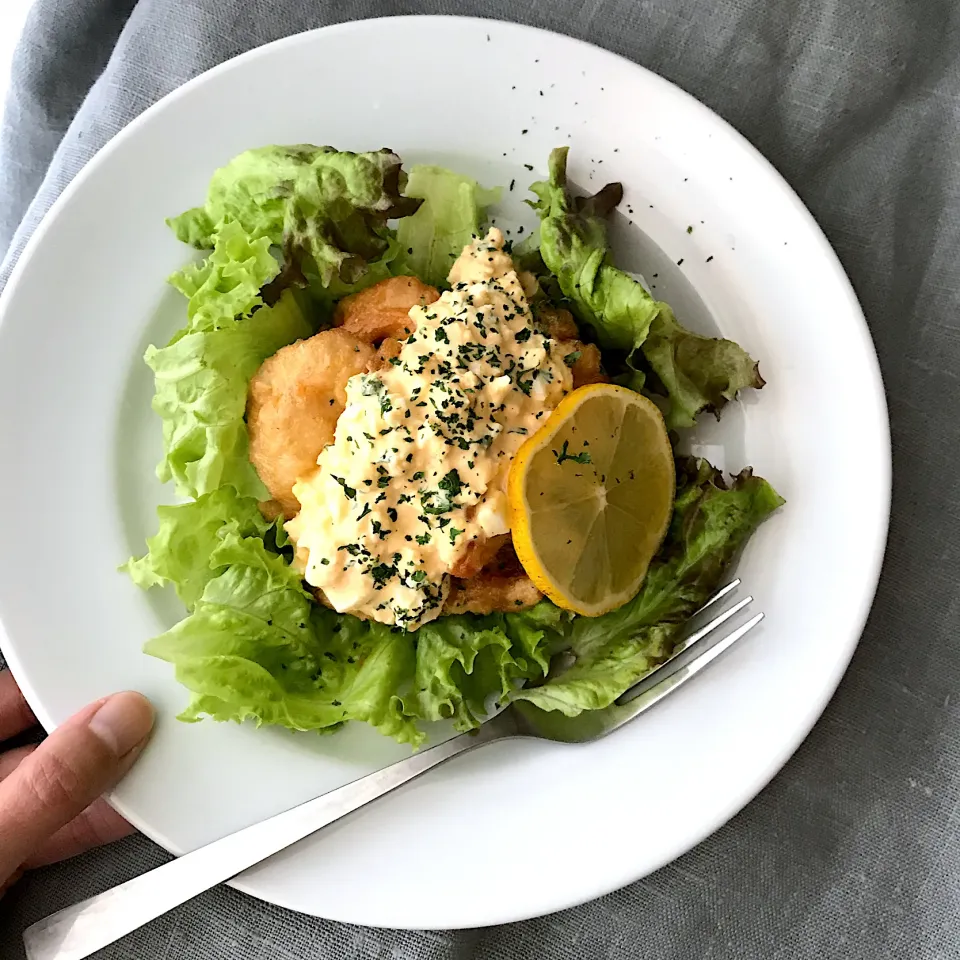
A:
(418, 467)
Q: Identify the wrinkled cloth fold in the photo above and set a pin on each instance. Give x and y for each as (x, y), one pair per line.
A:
(853, 851)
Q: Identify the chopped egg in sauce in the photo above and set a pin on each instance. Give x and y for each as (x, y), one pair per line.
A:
(418, 467)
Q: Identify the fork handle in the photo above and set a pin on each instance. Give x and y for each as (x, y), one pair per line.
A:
(89, 926)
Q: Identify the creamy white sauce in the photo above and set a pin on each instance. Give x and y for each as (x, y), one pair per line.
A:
(418, 467)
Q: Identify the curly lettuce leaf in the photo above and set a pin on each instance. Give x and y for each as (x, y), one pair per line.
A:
(244, 653)
(466, 664)
(575, 248)
(185, 546)
(461, 663)
(607, 655)
(536, 633)
(194, 227)
(253, 189)
(327, 209)
(201, 382)
(256, 647)
(453, 209)
(227, 284)
(697, 373)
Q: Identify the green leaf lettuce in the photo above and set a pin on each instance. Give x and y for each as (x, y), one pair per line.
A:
(465, 664)
(201, 393)
(696, 373)
(256, 647)
(326, 209)
(453, 209)
(226, 285)
(182, 550)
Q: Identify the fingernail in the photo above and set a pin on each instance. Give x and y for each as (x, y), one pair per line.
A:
(123, 721)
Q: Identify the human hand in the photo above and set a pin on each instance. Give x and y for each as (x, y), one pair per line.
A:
(50, 805)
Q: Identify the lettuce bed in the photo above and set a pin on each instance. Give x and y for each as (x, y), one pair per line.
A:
(289, 231)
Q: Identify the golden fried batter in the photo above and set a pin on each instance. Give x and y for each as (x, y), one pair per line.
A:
(501, 586)
(586, 368)
(389, 349)
(383, 310)
(480, 553)
(488, 593)
(559, 324)
(293, 404)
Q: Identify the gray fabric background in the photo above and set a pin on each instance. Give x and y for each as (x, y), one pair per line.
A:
(854, 850)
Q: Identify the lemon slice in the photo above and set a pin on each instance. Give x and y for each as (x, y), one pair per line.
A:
(590, 495)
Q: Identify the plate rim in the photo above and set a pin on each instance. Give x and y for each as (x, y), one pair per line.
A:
(815, 706)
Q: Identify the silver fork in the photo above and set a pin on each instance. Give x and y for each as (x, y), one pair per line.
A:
(78, 931)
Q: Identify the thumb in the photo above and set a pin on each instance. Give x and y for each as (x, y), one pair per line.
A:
(81, 759)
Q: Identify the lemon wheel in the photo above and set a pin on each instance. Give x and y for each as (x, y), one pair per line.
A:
(591, 495)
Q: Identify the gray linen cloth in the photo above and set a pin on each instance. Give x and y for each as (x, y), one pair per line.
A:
(854, 850)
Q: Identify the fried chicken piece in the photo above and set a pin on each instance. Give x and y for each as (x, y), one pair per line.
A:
(488, 593)
(557, 323)
(501, 586)
(587, 368)
(479, 554)
(389, 349)
(293, 404)
(383, 310)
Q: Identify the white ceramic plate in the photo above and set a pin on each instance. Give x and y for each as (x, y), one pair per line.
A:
(518, 829)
